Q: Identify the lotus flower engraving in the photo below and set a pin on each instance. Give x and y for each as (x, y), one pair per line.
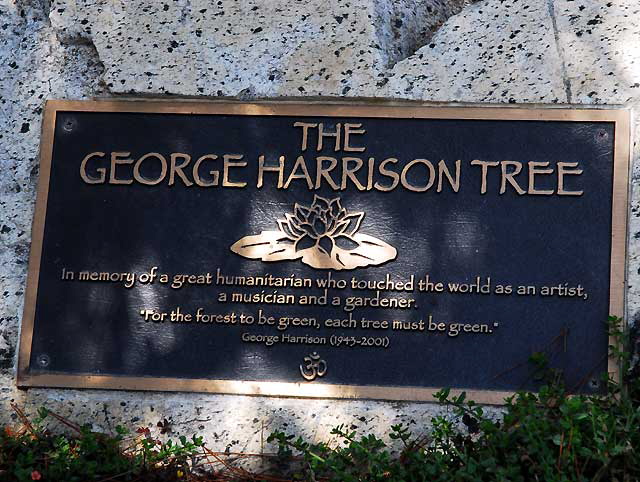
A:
(323, 235)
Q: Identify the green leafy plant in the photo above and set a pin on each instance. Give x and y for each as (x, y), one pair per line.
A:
(550, 435)
(33, 453)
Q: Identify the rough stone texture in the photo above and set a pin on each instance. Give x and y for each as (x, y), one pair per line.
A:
(34, 66)
(522, 51)
(497, 51)
(604, 68)
(248, 48)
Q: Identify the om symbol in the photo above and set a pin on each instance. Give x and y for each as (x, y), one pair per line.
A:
(313, 367)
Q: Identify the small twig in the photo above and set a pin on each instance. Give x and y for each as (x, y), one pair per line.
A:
(584, 379)
(117, 475)
(66, 422)
(560, 452)
(561, 335)
(23, 418)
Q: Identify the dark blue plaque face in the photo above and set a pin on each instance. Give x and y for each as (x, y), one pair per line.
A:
(343, 250)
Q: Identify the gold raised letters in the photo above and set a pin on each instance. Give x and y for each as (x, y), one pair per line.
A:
(83, 170)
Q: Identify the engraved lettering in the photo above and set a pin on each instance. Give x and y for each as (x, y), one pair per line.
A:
(509, 176)
(484, 165)
(349, 130)
(322, 134)
(390, 174)
(349, 172)
(534, 171)
(227, 165)
(101, 170)
(432, 176)
(178, 168)
(150, 182)
(324, 172)
(262, 169)
(119, 158)
(304, 174)
(567, 169)
(214, 174)
(305, 132)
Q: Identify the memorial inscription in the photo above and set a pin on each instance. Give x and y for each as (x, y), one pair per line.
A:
(324, 250)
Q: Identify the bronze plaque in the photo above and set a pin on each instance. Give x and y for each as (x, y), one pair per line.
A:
(324, 250)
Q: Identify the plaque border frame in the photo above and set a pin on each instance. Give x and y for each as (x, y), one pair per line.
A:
(619, 115)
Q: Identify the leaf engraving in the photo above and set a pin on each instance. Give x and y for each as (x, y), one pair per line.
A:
(324, 236)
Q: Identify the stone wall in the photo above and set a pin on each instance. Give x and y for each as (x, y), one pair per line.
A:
(496, 51)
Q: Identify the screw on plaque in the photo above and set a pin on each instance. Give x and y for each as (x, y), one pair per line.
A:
(602, 135)
(69, 124)
(595, 383)
(43, 361)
